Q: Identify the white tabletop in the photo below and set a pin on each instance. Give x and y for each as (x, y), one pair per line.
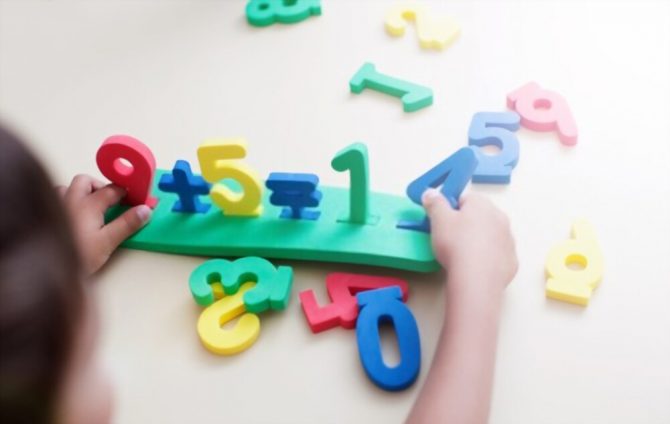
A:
(173, 73)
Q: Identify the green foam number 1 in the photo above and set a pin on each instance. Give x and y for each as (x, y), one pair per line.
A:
(272, 290)
(267, 12)
(413, 96)
(354, 158)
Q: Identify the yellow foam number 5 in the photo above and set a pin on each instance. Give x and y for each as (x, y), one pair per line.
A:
(565, 281)
(218, 161)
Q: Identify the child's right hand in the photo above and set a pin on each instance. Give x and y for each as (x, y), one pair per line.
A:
(476, 247)
(475, 240)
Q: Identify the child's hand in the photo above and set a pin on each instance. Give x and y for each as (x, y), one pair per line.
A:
(474, 240)
(476, 247)
(86, 200)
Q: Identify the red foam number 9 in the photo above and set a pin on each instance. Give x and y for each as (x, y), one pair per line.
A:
(129, 164)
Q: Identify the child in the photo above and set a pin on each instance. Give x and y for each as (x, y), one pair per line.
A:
(48, 370)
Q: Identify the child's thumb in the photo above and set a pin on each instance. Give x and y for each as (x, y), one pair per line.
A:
(127, 224)
(438, 209)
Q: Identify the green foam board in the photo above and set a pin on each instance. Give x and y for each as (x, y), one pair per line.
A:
(326, 239)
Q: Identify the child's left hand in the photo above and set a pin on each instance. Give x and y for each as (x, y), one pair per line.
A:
(86, 200)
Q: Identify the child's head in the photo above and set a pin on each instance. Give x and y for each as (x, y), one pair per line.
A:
(46, 329)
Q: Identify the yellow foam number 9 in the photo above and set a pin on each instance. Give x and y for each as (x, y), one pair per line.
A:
(219, 160)
(575, 267)
(229, 342)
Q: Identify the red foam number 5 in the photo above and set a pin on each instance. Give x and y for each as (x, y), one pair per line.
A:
(129, 164)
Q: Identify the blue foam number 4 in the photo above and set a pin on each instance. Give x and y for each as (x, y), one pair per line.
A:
(494, 129)
(378, 307)
(453, 174)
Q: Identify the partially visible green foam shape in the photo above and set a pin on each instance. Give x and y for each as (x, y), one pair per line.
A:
(269, 236)
(413, 96)
(267, 12)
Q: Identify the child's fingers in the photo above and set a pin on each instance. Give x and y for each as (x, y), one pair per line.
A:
(127, 224)
(438, 208)
(107, 196)
(81, 186)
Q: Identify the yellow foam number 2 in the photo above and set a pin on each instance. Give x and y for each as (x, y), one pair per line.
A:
(219, 160)
(227, 308)
(575, 284)
(433, 32)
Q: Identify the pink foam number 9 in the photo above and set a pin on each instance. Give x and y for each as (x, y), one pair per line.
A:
(135, 175)
(544, 110)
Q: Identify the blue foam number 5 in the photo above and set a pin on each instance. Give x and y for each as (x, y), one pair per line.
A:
(272, 290)
(453, 174)
(494, 128)
(385, 305)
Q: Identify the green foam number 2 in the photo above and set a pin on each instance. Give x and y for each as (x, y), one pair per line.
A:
(354, 158)
(272, 290)
(267, 12)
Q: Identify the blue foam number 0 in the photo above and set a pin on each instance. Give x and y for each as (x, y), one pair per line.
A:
(496, 129)
(453, 174)
(379, 306)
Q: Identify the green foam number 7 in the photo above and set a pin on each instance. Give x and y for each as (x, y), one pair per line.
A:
(272, 290)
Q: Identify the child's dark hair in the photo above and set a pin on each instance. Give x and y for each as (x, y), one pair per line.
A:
(41, 293)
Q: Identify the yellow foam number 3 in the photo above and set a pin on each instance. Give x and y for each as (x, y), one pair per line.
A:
(219, 160)
(575, 267)
(227, 308)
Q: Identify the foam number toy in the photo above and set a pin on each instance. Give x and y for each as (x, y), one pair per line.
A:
(187, 186)
(433, 32)
(494, 128)
(413, 96)
(129, 164)
(229, 342)
(377, 307)
(267, 12)
(544, 110)
(354, 158)
(343, 309)
(452, 174)
(218, 161)
(272, 290)
(297, 192)
(569, 284)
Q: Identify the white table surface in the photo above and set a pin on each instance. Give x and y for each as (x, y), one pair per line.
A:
(173, 73)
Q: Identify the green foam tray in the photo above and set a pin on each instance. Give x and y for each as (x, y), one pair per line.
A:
(269, 236)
